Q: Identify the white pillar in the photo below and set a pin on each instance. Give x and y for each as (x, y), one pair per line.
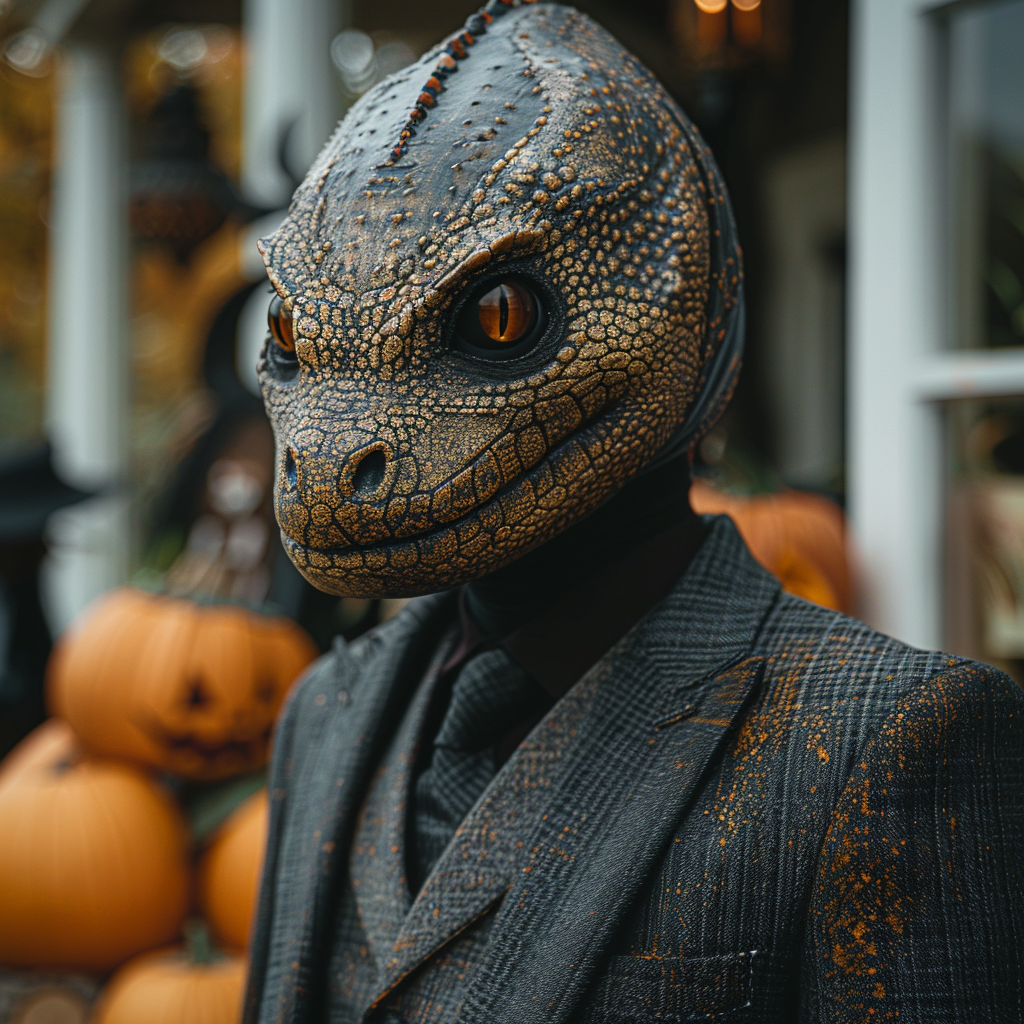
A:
(896, 314)
(87, 375)
(289, 78)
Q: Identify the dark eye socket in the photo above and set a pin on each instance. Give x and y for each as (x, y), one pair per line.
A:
(279, 319)
(501, 319)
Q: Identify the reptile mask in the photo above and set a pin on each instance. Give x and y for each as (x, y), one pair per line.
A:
(509, 283)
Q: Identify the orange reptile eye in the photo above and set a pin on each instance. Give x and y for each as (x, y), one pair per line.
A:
(279, 319)
(506, 313)
(500, 319)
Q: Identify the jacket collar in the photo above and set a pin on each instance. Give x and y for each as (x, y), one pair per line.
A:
(377, 864)
(574, 821)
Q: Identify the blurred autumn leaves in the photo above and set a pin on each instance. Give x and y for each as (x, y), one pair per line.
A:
(26, 122)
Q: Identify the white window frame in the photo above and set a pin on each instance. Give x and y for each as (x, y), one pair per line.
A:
(900, 370)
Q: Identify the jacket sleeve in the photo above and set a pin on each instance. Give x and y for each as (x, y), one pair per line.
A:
(917, 913)
(277, 791)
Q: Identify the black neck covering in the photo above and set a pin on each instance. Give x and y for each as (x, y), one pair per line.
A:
(648, 505)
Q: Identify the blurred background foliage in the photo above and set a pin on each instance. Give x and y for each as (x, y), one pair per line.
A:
(26, 127)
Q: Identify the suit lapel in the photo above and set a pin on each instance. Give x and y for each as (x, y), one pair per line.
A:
(377, 866)
(633, 740)
(343, 719)
(477, 867)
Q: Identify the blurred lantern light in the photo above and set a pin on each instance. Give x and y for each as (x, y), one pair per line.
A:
(352, 52)
(362, 64)
(746, 23)
(726, 35)
(353, 56)
(27, 52)
(235, 487)
(392, 57)
(183, 48)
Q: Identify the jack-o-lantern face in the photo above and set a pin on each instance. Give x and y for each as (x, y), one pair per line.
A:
(185, 688)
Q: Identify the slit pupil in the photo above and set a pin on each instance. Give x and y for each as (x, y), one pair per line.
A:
(502, 313)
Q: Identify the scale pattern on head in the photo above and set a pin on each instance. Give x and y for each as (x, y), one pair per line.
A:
(549, 156)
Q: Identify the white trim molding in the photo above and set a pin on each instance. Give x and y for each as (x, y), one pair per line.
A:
(978, 373)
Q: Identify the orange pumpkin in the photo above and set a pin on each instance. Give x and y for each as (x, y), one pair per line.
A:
(799, 537)
(170, 986)
(186, 688)
(229, 872)
(93, 857)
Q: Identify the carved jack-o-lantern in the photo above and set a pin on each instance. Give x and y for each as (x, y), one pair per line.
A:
(186, 688)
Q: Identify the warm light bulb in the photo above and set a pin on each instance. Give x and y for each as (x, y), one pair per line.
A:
(712, 6)
(745, 5)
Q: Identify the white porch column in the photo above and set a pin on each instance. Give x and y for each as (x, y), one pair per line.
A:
(87, 377)
(288, 78)
(896, 315)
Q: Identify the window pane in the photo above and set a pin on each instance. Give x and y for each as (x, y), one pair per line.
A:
(986, 134)
(985, 532)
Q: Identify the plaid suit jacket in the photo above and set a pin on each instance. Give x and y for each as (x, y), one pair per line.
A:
(751, 809)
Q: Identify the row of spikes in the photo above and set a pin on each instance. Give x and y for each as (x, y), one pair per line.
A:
(476, 26)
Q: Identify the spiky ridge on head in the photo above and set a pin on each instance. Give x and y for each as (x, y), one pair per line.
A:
(455, 50)
(555, 156)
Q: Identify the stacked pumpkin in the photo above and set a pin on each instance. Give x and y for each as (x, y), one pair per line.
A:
(165, 710)
(799, 537)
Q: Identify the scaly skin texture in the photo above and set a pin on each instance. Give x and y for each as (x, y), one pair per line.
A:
(551, 153)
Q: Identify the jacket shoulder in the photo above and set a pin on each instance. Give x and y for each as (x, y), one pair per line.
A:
(823, 666)
(827, 651)
(929, 827)
(334, 673)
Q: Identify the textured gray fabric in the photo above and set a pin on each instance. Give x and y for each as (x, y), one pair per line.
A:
(490, 694)
(750, 809)
(376, 897)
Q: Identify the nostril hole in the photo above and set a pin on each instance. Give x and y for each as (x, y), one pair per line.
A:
(370, 472)
(291, 472)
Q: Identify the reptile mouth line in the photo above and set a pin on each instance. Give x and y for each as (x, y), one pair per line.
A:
(387, 546)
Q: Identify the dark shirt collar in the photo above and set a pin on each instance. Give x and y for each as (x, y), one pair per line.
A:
(560, 643)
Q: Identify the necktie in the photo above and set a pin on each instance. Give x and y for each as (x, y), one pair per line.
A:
(490, 694)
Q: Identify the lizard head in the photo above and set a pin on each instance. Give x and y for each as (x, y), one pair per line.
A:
(509, 282)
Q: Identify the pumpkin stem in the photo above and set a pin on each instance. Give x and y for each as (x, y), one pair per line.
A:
(198, 946)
